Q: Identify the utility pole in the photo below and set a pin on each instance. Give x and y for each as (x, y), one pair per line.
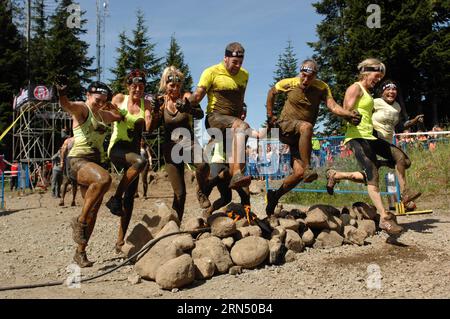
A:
(102, 12)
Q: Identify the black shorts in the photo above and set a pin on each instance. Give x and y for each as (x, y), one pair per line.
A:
(366, 152)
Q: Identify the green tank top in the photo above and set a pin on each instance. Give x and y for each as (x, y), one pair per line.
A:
(126, 130)
(365, 129)
(89, 138)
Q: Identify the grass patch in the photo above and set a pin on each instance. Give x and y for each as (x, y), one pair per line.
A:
(429, 173)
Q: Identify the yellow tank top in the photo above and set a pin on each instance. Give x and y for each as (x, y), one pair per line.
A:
(89, 138)
(365, 129)
(125, 130)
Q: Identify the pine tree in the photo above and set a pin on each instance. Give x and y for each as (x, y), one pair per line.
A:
(410, 42)
(12, 76)
(123, 65)
(67, 53)
(175, 57)
(287, 67)
(142, 56)
(38, 45)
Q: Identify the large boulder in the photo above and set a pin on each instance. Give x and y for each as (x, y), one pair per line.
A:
(328, 239)
(213, 248)
(293, 241)
(250, 251)
(156, 220)
(176, 273)
(158, 255)
(193, 223)
(164, 250)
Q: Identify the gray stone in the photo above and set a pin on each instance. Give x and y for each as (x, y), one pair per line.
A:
(290, 256)
(250, 252)
(235, 270)
(327, 209)
(176, 273)
(365, 211)
(291, 224)
(317, 219)
(213, 248)
(335, 223)
(155, 221)
(275, 251)
(368, 226)
(159, 254)
(328, 239)
(223, 227)
(137, 238)
(293, 241)
(247, 231)
(354, 235)
(345, 218)
(352, 222)
(204, 268)
(308, 237)
(228, 242)
(134, 279)
(273, 221)
(256, 189)
(242, 223)
(191, 224)
(279, 232)
(203, 236)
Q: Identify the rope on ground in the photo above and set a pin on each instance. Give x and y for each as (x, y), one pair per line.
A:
(136, 255)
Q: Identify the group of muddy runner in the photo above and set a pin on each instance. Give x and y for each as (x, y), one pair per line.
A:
(369, 130)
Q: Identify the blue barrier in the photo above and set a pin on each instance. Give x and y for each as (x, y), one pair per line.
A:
(331, 149)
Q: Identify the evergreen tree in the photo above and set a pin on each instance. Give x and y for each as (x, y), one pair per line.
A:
(287, 67)
(67, 54)
(175, 57)
(38, 45)
(411, 42)
(12, 76)
(142, 56)
(123, 65)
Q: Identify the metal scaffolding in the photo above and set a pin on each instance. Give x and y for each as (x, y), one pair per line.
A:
(36, 135)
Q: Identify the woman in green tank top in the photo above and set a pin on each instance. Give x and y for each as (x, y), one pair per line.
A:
(365, 145)
(124, 148)
(90, 119)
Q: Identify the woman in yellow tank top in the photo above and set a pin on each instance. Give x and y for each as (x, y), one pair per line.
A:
(89, 125)
(365, 145)
(124, 148)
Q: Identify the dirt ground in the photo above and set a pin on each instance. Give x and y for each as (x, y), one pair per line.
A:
(36, 246)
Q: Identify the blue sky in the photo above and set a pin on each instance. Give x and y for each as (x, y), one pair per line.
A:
(204, 27)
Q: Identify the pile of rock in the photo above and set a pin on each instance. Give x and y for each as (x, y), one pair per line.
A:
(230, 246)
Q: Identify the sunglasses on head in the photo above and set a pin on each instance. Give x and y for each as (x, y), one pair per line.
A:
(389, 86)
(135, 80)
(173, 79)
(307, 69)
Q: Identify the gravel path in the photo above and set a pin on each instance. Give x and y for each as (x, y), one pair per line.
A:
(36, 246)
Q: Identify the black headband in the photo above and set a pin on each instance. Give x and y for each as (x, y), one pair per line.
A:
(136, 79)
(379, 68)
(389, 86)
(307, 69)
(234, 54)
